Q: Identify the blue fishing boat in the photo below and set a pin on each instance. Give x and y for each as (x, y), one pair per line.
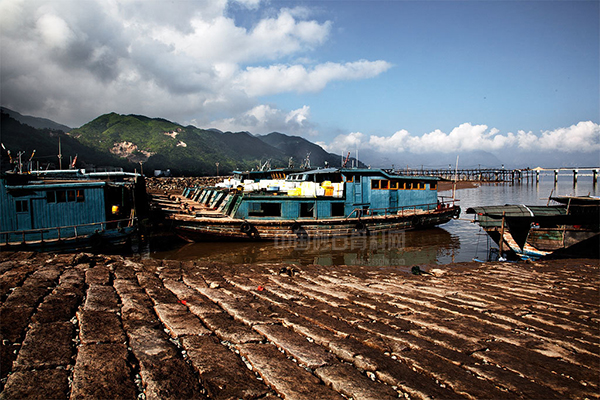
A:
(569, 227)
(321, 203)
(68, 210)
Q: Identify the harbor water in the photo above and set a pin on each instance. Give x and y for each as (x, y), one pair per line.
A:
(456, 241)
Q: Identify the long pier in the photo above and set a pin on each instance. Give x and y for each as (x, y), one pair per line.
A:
(502, 175)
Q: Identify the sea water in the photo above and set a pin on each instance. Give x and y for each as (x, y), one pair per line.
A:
(456, 241)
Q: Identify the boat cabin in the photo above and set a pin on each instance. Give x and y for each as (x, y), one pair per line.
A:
(335, 193)
(34, 208)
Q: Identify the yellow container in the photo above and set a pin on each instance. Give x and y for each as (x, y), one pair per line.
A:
(329, 191)
(295, 192)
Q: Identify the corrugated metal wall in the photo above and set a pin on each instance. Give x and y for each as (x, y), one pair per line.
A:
(45, 214)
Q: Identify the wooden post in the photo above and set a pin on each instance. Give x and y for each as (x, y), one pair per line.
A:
(555, 176)
(500, 243)
(537, 176)
(574, 177)
(595, 177)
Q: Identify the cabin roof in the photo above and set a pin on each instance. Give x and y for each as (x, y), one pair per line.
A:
(517, 210)
(366, 172)
(380, 172)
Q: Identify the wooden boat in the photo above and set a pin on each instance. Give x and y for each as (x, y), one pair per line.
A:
(68, 210)
(570, 227)
(319, 203)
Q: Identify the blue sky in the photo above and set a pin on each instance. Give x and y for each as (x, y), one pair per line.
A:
(512, 65)
(403, 81)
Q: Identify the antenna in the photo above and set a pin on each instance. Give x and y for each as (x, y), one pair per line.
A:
(59, 155)
(455, 179)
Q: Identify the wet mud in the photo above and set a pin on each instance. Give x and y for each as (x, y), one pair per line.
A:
(89, 326)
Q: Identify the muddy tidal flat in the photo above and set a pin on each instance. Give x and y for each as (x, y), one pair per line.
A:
(78, 326)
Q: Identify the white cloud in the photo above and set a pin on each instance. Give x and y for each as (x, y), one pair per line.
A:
(583, 137)
(260, 81)
(265, 119)
(71, 61)
(54, 31)
(349, 142)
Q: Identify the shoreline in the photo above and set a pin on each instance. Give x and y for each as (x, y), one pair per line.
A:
(170, 329)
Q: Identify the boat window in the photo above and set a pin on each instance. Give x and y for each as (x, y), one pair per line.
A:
(80, 196)
(51, 196)
(422, 185)
(394, 185)
(433, 185)
(385, 184)
(307, 210)
(61, 196)
(22, 205)
(265, 210)
(337, 209)
(70, 195)
(375, 184)
(409, 185)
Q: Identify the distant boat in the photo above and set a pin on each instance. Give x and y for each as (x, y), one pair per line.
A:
(68, 210)
(570, 227)
(320, 203)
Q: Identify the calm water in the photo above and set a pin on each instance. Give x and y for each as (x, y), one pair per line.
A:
(456, 241)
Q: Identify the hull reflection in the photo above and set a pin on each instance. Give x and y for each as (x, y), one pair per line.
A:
(399, 248)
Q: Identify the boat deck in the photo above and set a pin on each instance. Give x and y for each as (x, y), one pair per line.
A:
(85, 326)
(177, 206)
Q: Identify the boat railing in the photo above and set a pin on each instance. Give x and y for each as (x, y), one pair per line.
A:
(64, 232)
(402, 211)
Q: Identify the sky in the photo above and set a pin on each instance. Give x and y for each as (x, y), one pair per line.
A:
(419, 82)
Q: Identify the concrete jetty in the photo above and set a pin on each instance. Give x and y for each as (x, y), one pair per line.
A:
(89, 326)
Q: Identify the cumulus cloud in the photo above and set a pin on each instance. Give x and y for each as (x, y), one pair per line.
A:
(583, 137)
(265, 119)
(188, 61)
(259, 81)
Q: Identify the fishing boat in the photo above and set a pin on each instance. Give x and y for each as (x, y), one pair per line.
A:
(321, 203)
(68, 210)
(567, 227)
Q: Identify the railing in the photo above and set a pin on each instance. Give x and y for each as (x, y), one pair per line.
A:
(58, 233)
(398, 210)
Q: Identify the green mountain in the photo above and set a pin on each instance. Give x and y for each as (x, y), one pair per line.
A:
(161, 144)
(18, 138)
(128, 140)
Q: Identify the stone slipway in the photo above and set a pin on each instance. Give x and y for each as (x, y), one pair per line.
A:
(86, 326)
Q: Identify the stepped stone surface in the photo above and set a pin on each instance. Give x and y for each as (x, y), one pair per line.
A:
(93, 326)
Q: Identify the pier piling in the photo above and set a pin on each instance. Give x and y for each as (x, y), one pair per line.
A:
(519, 176)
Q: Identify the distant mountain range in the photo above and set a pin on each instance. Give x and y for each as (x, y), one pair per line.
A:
(35, 122)
(157, 144)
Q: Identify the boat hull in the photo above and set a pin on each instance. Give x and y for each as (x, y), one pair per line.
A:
(219, 229)
(544, 242)
(104, 241)
(532, 232)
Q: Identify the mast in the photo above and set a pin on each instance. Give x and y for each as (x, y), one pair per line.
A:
(59, 155)
(455, 179)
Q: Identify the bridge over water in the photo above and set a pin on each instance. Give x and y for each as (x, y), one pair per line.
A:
(502, 174)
